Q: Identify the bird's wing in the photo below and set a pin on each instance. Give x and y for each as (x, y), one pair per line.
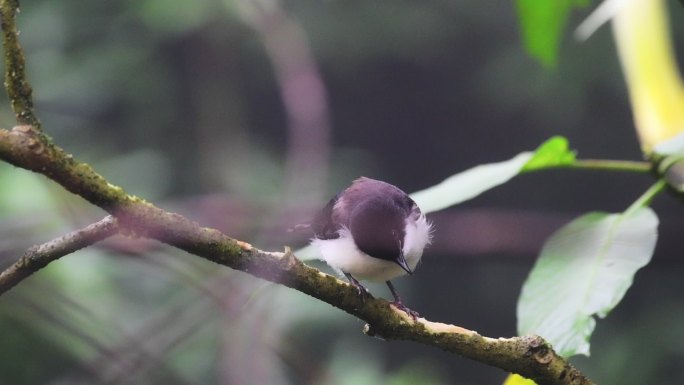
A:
(324, 225)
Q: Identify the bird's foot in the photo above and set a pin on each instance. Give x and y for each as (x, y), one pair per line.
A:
(363, 292)
(411, 313)
(400, 305)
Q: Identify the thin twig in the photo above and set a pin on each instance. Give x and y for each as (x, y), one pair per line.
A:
(18, 88)
(39, 256)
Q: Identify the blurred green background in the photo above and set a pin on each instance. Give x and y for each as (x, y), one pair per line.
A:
(249, 115)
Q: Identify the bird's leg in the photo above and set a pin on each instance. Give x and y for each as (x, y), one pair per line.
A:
(363, 292)
(399, 304)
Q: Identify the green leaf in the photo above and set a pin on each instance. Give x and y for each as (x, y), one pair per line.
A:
(542, 23)
(473, 182)
(469, 184)
(584, 270)
(552, 153)
(22, 192)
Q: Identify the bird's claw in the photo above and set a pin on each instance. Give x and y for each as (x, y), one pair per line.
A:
(363, 292)
(411, 313)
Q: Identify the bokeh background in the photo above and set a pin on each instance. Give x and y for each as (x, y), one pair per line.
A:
(247, 116)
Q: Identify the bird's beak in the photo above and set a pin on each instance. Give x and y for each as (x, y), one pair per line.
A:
(401, 261)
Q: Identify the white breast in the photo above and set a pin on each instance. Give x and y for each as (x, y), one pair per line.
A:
(343, 255)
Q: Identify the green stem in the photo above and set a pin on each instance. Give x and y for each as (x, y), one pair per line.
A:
(611, 165)
(598, 164)
(647, 197)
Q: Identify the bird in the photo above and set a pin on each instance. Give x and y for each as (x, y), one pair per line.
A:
(372, 231)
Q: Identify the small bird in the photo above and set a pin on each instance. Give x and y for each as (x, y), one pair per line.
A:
(372, 231)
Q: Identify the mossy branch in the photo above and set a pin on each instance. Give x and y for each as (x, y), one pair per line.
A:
(37, 257)
(529, 356)
(18, 88)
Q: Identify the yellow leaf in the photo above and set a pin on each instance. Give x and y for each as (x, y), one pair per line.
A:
(655, 86)
(516, 379)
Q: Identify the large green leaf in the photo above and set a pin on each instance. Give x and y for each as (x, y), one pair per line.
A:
(473, 182)
(584, 270)
(469, 184)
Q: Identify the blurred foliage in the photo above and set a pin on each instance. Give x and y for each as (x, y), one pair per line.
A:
(543, 25)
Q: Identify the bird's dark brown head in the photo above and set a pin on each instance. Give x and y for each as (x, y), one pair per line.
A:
(378, 228)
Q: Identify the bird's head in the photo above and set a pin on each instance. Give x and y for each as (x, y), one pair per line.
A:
(378, 227)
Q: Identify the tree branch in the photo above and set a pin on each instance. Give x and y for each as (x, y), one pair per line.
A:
(39, 256)
(529, 356)
(18, 88)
